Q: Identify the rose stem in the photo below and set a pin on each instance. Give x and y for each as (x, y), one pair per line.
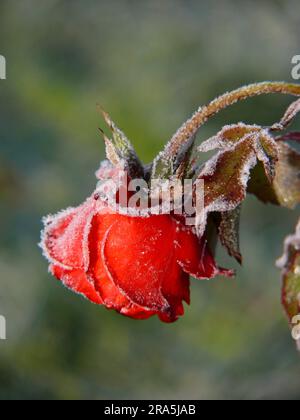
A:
(191, 127)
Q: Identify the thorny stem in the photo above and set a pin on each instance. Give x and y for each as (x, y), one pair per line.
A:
(191, 127)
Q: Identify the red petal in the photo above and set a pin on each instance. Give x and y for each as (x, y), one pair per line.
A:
(77, 281)
(64, 239)
(137, 312)
(112, 297)
(137, 253)
(176, 289)
(195, 258)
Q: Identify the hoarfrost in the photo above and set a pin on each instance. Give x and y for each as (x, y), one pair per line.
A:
(292, 241)
(64, 240)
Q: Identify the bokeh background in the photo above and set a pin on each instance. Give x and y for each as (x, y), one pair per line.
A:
(150, 64)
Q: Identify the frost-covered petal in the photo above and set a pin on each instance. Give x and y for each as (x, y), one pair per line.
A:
(64, 239)
(107, 171)
(78, 282)
(111, 295)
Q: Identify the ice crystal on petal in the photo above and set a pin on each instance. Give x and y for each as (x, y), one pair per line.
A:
(64, 231)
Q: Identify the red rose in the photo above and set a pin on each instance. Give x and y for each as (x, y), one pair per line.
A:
(130, 246)
(139, 266)
(135, 265)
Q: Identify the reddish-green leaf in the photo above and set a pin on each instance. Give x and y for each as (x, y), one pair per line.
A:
(285, 188)
(226, 175)
(229, 232)
(288, 117)
(290, 266)
(120, 151)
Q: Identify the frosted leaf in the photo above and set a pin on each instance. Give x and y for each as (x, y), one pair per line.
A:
(209, 166)
(289, 263)
(263, 143)
(267, 152)
(163, 166)
(168, 164)
(183, 163)
(228, 137)
(285, 187)
(229, 234)
(120, 151)
(291, 113)
(226, 176)
(291, 244)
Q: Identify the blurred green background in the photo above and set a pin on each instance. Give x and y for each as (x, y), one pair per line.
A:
(150, 64)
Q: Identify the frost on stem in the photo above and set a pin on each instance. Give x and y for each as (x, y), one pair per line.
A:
(191, 127)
